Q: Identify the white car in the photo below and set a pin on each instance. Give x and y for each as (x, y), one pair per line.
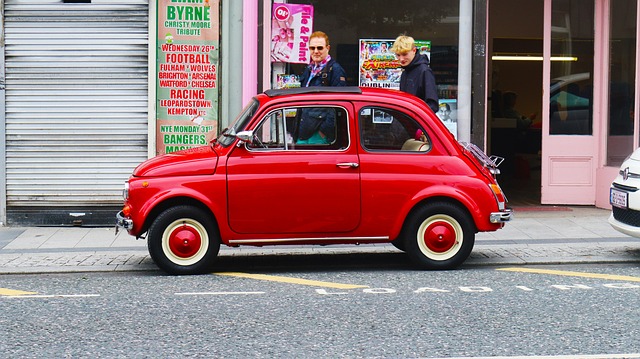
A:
(624, 196)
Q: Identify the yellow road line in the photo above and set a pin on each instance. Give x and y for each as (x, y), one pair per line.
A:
(573, 274)
(274, 278)
(13, 292)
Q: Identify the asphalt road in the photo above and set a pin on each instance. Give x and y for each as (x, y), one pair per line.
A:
(339, 310)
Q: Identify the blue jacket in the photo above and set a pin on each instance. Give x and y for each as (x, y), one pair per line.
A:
(321, 119)
(335, 76)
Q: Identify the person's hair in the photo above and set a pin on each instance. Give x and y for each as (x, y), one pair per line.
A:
(321, 35)
(509, 99)
(403, 44)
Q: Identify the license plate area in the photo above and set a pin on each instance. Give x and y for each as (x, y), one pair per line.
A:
(619, 198)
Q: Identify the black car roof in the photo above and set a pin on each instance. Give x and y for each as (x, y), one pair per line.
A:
(313, 89)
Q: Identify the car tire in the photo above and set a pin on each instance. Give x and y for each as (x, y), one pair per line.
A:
(399, 243)
(183, 240)
(439, 236)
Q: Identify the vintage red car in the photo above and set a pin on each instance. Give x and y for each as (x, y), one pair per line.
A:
(318, 165)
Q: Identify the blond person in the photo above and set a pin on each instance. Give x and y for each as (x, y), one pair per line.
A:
(417, 77)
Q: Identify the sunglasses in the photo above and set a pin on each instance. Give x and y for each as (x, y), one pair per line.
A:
(313, 48)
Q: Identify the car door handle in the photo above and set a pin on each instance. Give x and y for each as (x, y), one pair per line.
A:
(348, 165)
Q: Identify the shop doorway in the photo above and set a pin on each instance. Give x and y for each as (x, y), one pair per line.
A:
(514, 109)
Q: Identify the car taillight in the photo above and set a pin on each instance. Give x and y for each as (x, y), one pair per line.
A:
(125, 191)
(500, 197)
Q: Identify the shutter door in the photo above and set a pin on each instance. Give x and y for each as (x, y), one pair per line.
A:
(76, 100)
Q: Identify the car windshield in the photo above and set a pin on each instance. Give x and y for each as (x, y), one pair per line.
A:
(227, 136)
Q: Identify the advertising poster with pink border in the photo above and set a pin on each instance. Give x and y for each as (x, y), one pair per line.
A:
(291, 25)
(186, 74)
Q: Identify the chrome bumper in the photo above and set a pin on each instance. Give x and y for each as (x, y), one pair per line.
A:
(123, 222)
(501, 217)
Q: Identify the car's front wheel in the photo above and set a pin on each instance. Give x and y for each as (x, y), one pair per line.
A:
(439, 236)
(183, 240)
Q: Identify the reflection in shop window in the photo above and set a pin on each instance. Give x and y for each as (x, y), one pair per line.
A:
(571, 93)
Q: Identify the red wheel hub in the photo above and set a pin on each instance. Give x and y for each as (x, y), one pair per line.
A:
(184, 241)
(440, 237)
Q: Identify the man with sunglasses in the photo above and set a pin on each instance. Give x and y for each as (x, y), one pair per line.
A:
(322, 66)
(317, 125)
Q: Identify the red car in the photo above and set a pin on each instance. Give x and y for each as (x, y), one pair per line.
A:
(318, 165)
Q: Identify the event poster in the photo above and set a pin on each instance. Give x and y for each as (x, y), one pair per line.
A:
(448, 114)
(378, 65)
(291, 26)
(186, 74)
(284, 81)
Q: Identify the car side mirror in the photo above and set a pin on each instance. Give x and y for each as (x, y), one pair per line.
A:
(245, 136)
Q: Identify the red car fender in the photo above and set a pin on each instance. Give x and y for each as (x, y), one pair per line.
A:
(442, 192)
(215, 202)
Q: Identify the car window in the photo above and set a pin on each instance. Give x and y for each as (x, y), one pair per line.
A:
(302, 128)
(227, 136)
(390, 130)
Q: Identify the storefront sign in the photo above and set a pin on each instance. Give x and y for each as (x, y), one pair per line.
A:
(378, 65)
(187, 76)
(291, 26)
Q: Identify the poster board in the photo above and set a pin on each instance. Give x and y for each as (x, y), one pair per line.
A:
(378, 66)
(291, 26)
(186, 74)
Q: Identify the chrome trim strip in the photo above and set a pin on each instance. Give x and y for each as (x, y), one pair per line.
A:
(293, 240)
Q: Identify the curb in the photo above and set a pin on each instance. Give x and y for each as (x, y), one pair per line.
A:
(258, 258)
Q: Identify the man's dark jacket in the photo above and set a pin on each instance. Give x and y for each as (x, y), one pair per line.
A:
(417, 79)
(314, 119)
(335, 75)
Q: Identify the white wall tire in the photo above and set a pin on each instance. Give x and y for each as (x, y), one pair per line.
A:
(439, 235)
(183, 240)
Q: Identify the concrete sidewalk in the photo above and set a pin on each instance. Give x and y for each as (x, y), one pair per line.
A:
(536, 235)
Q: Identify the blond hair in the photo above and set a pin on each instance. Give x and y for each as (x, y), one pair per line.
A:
(403, 44)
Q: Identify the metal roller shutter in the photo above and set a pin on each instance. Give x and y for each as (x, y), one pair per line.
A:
(76, 102)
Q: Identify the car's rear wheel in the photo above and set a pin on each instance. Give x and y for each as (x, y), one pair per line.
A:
(183, 240)
(439, 236)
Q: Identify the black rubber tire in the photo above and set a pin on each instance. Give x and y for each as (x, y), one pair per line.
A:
(399, 243)
(439, 235)
(184, 240)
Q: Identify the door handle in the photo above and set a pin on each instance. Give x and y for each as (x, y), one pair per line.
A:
(348, 165)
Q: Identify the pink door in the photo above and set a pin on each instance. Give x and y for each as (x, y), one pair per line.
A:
(570, 130)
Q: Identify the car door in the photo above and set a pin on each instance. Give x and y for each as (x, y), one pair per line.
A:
(276, 185)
